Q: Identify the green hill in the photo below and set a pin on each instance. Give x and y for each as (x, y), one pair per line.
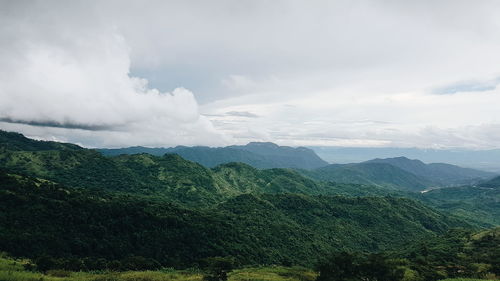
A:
(175, 179)
(42, 218)
(476, 203)
(168, 176)
(16, 141)
(379, 174)
(440, 174)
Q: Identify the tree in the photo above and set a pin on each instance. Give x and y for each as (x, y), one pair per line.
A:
(217, 268)
(341, 266)
(346, 266)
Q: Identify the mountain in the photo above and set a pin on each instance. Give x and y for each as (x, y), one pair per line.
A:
(72, 208)
(77, 205)
(399, 173)
(42, 218)
(493, 183)
(438, 173)
(169, 176)
(379, 174)
(17, 142)
(486, 160)
(262, 155)
(477, 204)
(287, 157)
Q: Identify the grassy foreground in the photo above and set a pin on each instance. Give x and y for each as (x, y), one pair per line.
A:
(465, 279)
(13, 270)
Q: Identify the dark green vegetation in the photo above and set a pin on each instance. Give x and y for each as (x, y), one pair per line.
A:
(397, 173)
(457, 254)
(380, 174)
(15, 141)
(169, 176)
(474, 203)
(71, 208)
(15, 270)
(344, 266)
(261, 155)
(41, 218)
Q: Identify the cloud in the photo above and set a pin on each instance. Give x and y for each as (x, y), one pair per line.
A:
(57, 125)
(351, 118)
(242, 114)
(320, 72)
(468, 86)
(65, 73)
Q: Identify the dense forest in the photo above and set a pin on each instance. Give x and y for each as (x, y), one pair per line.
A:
(66, 207)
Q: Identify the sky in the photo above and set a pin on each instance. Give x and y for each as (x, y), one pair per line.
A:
(301, 73)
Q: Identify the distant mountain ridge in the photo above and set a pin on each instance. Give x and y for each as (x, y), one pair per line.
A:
(486, 160)
(400, 173)
(178, 202)
(381, 174)
(262, 155)
(438, 173)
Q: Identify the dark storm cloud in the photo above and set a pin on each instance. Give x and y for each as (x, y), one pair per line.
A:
(60, 125)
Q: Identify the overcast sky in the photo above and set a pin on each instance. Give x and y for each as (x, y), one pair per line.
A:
(165, 73)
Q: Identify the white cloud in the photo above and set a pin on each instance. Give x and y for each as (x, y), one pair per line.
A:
(77, 76)
(351, 118)
(339, 72)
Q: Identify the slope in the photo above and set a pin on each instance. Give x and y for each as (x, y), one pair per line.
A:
(16, 141)
(168, 176)
(493, 183)
(379, 174)
(41, 218)
(438, 173)
(477, 204)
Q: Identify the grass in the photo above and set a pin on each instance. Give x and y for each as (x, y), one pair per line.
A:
(277, 273)
(466, 279)
(13, 270)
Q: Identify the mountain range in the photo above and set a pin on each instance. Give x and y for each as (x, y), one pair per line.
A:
(262, 155)
(65, 201)
(440, 174)
(399, 172)
(486, 159)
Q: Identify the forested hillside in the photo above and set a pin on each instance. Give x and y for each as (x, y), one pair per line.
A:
(475, 203)
(15, 141)
(69, 207)
(42, 218)
(379, 174)
(168, 176)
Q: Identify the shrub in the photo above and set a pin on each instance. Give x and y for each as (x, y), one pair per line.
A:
(59, 273)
